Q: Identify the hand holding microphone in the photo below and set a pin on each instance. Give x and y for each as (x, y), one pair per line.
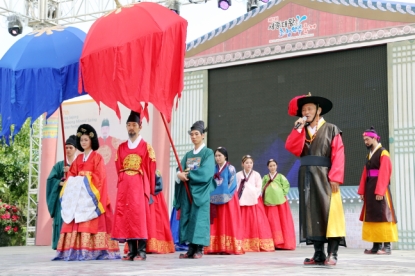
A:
(300, 122)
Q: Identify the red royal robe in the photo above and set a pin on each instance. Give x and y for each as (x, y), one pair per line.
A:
(136, 181)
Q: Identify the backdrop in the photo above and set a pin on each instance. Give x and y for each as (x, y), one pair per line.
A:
(248, 105)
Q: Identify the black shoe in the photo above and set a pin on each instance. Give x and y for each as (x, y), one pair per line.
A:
(189, 254)
(141, 250)
(386, 250)
(132, 247)
(199, 252)
(375, 248)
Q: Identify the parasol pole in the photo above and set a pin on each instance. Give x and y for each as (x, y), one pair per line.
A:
(63, 136)
(177, 157)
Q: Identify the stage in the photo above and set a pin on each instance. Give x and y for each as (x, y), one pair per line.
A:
(35, 260)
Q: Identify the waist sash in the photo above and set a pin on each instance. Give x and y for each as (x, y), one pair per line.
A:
(373, 173)
(313, 160)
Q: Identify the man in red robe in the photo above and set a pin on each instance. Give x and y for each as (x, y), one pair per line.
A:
(108, 146)
(378, 214)
(136, 167)
(320, 148)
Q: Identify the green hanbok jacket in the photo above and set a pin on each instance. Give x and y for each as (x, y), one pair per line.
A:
(53, 190)
(276, 191)
(195, 217)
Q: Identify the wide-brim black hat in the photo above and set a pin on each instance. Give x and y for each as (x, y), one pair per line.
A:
(296, 104)
(86, 129)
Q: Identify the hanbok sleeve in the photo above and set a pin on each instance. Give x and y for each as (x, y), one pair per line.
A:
(336, 173)
(151, 168)
(264, 181)
(362, 184)
(53, 188)
(258, 184)
(118, 164)
(285, 184)
(232, 179)
(295, 142)
(385, 172)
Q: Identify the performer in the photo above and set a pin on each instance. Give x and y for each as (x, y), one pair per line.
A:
(378, 214)
(136, 167)
(108, 146)
(321, 149)
(226, 230)
(86, 211)
(275, 188)
(160, 240)
(54, 185)
(257, 231)
(199, 167)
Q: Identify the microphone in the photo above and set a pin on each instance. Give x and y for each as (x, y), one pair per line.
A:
(299, 124)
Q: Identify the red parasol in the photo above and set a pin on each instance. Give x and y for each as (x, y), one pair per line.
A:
(136, 54)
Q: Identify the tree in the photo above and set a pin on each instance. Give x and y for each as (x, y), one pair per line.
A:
(14, 172)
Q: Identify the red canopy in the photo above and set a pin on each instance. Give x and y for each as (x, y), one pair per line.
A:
(133, 55)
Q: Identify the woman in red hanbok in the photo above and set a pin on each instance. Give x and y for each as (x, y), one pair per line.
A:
(275, 188)
(226, 229)
(257, 231)
(84, 198)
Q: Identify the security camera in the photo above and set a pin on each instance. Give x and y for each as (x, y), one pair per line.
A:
(15, 26)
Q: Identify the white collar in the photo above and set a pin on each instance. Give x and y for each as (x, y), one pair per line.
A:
(372, 152)
(133, 145)
(313, 130)
(221, 167)
(87, 156)
(247, 174)
(196, 151)
(272, 176)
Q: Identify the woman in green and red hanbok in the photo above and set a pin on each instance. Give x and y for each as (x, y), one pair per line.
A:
(86, 210)
(275, 188)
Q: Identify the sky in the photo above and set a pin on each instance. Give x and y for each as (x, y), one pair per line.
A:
(202, 18)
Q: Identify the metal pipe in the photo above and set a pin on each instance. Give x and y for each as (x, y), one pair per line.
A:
(43, 8)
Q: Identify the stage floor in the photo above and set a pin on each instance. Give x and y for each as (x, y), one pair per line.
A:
(36, 260)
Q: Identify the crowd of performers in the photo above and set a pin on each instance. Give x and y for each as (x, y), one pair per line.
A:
(216, 209)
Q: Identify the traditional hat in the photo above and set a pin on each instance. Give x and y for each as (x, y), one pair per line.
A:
(224, 151)
(71, 141)
(296, 104)
(105, 122)
(199, 126)
(371, 132)
(134, 117)
(86, 129)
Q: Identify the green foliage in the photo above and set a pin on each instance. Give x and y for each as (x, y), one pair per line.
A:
(14, 177)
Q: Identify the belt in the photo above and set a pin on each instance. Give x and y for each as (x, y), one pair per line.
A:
(313, 160)
(372, 173)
